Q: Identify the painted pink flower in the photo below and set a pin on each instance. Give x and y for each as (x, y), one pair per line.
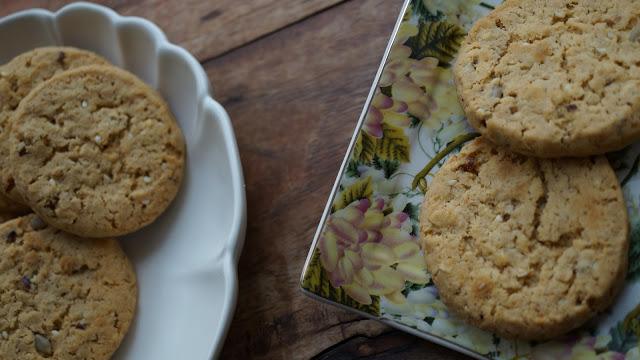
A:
(383, 109)
(369, 253)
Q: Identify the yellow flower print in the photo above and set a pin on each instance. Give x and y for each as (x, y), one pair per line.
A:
(369, 253)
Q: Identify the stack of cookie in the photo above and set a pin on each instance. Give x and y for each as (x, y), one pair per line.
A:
(525, 230)
(93, 153)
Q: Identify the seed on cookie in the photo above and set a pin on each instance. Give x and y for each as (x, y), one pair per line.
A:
(11, 236)
(37, 223)
(26, 282)
(43, 345)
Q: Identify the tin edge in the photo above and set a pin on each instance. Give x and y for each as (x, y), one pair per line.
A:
(354, 138)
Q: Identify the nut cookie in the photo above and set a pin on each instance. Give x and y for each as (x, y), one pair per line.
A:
(554, 78)
(17, 79)
(96, 152)
(62, 297)
(525, 247)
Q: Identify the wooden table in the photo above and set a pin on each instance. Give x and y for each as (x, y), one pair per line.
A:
(293, 75)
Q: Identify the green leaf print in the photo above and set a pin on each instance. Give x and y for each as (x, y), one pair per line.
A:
(386, 91)
(625, 335)
(415, 121)
(621, 340)
(632, 172)
(409, 287)
(440, 40)
(365, 148)
(352, 169)
(316, 280)
(394, 144)
(389, 167)
(634, 253)
(361, 189)
(419, 180)
(420, 9)
(412, 210)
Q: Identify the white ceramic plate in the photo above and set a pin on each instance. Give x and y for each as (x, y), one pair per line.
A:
(185, 261)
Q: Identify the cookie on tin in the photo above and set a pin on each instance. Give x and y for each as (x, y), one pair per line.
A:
(528, 248)
(554, 78)
(96, 152)
(62, 297)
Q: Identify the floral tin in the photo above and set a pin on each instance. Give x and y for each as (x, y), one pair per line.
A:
(366, 255)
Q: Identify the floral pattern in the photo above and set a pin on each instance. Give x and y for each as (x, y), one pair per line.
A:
(368, 255)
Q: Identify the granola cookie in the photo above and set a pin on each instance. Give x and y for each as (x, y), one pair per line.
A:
(62, 297)
(525, 247)
(554, 78)
(96, 152)
(17, 79)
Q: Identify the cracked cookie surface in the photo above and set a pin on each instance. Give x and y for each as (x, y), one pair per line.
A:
(554, 78)
(62, 297)
(17, 78)
(525, 247)
(96, 152)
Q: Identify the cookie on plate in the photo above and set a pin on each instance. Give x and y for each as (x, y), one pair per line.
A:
(554, 78)
(17, 79)
(521, 246)
(96, 152)
(62, 297)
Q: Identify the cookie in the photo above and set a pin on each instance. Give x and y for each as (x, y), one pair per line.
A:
(17, 79)
(96, 152)
(554, 78)
(62, 297)
(525, 247)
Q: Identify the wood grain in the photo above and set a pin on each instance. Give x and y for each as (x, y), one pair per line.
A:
(389, 345)
(295, 98)
(205, 28)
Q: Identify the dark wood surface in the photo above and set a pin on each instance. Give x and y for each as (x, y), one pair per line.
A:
(293, 75)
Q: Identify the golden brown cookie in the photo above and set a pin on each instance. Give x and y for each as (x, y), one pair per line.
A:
(96, 152)
(525, 247)
(554, 78)
(17, 79)
(62, 297)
